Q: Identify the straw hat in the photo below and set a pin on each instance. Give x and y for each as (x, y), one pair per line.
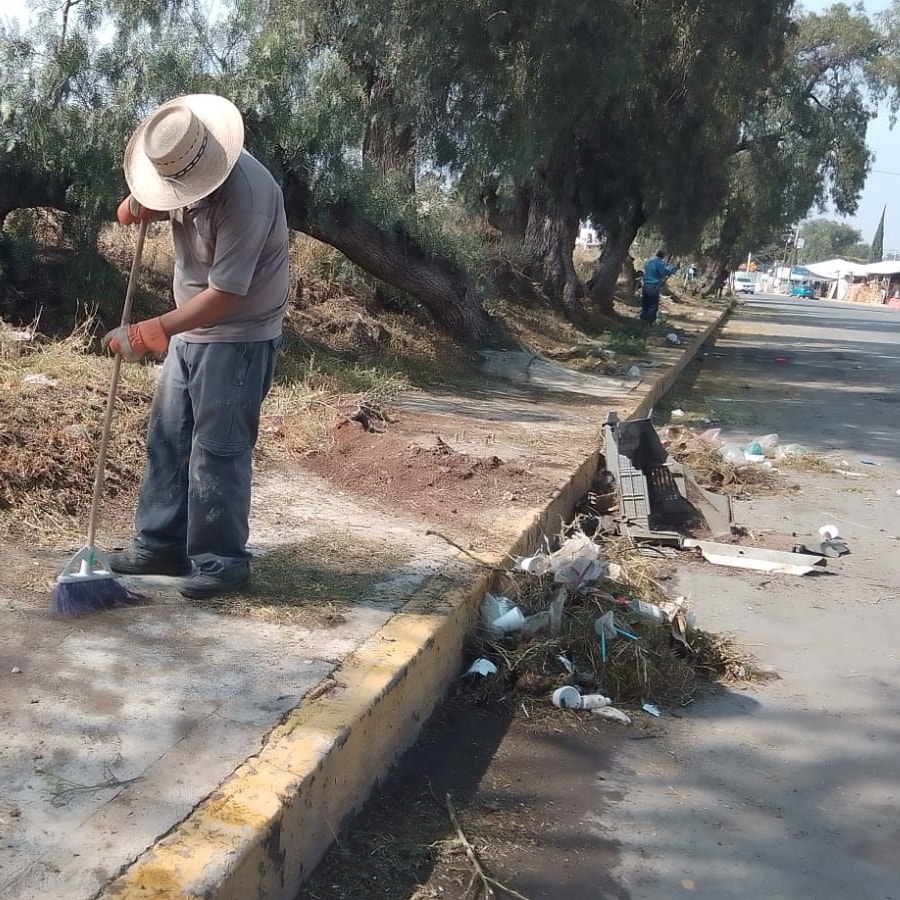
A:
(183, 151)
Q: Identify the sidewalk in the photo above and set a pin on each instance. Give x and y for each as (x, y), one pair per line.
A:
(172, 752)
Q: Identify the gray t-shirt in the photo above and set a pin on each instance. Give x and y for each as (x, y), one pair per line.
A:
(235, 240)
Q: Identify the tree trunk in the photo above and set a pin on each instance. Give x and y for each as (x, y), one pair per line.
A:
(714, 279)
(620, 235)
(392, 255)
(387, 144)
(550, 232)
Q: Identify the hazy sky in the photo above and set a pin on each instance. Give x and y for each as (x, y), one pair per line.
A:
(883, 185)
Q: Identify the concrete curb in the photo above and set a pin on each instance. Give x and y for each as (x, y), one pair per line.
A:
(268, 825)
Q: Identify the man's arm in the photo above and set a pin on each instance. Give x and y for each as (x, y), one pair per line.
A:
(206, 308)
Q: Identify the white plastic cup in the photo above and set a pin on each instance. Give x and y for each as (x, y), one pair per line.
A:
(594, 701)
(534, 565)
(509, 621)
(829, 532)
(567, 697)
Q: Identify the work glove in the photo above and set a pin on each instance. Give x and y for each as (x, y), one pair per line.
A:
(130, 212)
(132, 342)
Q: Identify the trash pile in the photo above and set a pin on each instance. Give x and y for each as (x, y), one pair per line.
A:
(594, 633)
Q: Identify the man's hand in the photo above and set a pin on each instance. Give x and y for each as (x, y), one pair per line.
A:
(130, 212)
(132, 342)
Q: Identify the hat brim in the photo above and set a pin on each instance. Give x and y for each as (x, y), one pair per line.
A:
(225, 129)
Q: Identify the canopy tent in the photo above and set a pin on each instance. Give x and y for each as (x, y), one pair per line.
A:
(833, 269)
(888, 267)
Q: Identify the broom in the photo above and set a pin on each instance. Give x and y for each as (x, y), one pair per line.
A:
(87, 584)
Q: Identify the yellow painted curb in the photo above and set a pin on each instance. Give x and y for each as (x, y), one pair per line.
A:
(266, 828)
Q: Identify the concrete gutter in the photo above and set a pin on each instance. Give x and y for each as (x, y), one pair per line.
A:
(267, 826)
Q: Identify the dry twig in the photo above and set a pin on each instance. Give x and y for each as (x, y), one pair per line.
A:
(488, 884)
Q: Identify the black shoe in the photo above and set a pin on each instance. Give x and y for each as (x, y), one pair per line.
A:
(213, 578)
(142, 562)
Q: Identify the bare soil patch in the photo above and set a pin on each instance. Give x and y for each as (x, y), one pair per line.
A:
(406, 463)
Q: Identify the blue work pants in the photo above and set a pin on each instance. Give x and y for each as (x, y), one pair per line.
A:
(649, 302)
(204, 421)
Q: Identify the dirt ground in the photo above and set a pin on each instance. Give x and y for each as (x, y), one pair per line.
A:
(491, 760)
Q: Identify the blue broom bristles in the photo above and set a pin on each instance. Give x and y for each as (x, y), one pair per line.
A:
(87, 585)
(79, 597)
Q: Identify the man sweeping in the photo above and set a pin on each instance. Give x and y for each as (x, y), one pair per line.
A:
(656, 271)
(186, 162)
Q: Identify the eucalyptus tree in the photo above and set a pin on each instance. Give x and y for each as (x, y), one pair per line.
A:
(803, 139)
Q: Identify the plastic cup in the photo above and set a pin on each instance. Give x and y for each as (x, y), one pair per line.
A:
(829, 532)
(534, 565)
(567, 697)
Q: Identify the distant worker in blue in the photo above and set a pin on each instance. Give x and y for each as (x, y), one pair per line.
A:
(656, 271)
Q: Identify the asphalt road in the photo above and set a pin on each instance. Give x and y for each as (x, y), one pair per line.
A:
(791, 789)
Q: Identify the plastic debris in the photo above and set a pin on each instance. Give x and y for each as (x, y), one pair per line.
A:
(672, 338)
(39, 378)
(482, 666)
(510, 621)
(648, 611)
(634, 372)
(577, 561)
(651, 709)
(677, 413)
(613, 714)
(869, 462)
(732, 453)
(758, 559)
(829, 532)
(766, 442)
(567, 697)
(534, 565)
(566, 663)
(557, 605)
(789, 450)
(594, 701)
(493, 606)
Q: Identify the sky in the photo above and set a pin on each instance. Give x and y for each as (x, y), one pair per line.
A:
(882, 188)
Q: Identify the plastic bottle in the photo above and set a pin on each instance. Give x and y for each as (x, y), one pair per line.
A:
(732, 453)
(594, 701)
(645, 610)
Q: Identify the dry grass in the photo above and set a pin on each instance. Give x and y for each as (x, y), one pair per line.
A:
(51, 412)
(315, 583)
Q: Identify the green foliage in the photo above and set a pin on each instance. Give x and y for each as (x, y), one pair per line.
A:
(803, 139)
(827, 239)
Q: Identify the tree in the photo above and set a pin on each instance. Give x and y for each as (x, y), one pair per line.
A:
(827, 239)
(803, 138)
(876, 249)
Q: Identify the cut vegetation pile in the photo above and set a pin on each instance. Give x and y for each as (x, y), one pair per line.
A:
(668, 663)
(51, 413)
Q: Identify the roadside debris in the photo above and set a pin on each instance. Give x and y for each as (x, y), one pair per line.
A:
(613, 715)
(755, 558)
(482, 666)
(585, 622)
(604, 636)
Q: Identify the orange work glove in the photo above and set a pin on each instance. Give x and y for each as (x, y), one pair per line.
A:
(132, 342)
(130, 212)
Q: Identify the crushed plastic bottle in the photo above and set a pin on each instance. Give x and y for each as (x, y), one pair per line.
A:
(789, 450)
(732, 453)
(649, 611)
